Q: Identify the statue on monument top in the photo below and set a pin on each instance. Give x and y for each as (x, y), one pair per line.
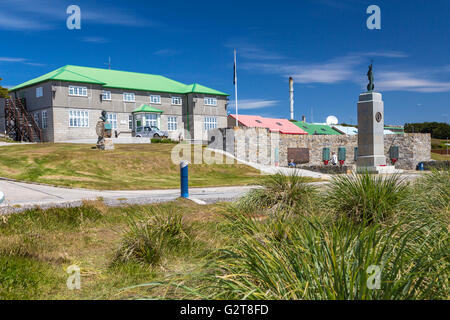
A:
(370, 86)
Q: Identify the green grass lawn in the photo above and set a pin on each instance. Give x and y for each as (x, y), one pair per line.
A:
(440, 157)
(438, 144)
(128, 167)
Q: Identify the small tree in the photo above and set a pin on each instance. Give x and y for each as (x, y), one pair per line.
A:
(3, 91)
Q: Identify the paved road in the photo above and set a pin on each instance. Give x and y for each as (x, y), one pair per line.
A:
(20, 196)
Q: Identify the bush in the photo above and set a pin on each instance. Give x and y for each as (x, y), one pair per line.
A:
(151, 236)
(163, 141)
(280, 192)
(366, 197)
(431, 192)
(331, 260)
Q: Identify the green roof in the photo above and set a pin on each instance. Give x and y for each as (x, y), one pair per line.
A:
(147, 108)
(319, 129)
(120, 80)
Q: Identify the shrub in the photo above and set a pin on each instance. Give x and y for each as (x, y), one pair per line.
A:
(151, 236)
(431, 192)
(163, 141)
(366, 197)
(280, 192)
(324, 260)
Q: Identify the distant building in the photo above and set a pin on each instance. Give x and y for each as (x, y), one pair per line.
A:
(67, 103)
(274, 125)
(316, 129)
(395, 129)
(352, 130)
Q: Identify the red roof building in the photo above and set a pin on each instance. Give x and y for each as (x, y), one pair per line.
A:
(274, 125)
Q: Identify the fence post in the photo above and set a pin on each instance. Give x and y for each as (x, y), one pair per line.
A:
(184, 177)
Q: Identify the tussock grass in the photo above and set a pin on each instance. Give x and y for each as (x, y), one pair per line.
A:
(304, 258)
(280, 193)
(373, 222)
(366, 197)
(152, 235)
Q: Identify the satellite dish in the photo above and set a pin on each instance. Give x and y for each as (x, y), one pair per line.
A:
(2, 197)
(332, 120)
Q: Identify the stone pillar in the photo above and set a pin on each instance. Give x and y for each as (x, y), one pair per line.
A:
(371, 132)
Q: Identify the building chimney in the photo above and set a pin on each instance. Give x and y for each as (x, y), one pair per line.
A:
(303, 118)
(291, 96)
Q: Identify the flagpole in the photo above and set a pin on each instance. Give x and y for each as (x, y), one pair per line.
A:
(235, 89)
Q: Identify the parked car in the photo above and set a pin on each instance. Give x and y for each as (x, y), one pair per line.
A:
(150, 132)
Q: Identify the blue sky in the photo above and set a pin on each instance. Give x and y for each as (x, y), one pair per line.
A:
(323, 44)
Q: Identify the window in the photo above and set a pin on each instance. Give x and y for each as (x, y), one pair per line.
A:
(44, 120)
(172, 124)
(155, 99)
(210, 102)
(78, 118)
(130, 122)
(176, 101)
(106, 95)
(210, 123)
(39, 92)
(78, 91)
(151, 120)
(112, 118)
(36, 118)
(128, 97)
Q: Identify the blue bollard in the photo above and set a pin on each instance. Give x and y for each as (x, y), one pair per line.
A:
(2, 197)
(421, 167)
(184, 175)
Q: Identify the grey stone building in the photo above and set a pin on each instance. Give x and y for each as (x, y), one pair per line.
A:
(66, 104)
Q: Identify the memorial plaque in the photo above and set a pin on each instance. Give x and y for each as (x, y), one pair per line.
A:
(299, 155)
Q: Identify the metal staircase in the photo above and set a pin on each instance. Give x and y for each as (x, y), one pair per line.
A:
(20, 125)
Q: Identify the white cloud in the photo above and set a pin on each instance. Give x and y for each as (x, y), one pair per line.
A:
(349, 69)
(250, 104)
(43, 15)
(332, 71)
(99, 40)
(166, 52)
(20, 60)
(250, 51)
(407, 81)
(18, 23)
(11, 59)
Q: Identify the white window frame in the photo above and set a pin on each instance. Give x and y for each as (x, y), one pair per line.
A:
(44, 119)
(106, 95)
(129, 97)
(172, 123)
(175, 99)
(112, 118)
(210, 123)
(208, 101)
(39, 92)
(78, 91)
(78, 118)
(130, 122)
(151, 120)
(155, 99)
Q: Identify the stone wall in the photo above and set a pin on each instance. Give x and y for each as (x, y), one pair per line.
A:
(261, 146)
